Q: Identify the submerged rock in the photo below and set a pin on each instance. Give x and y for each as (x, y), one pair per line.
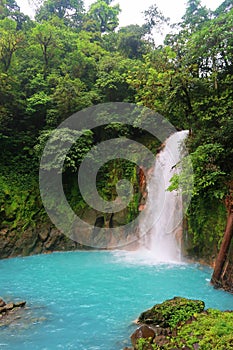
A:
(2, 302)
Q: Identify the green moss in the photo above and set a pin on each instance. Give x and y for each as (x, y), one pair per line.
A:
(145, 344)
(21, 205)
(206, 330)
(19, 201)
(172, 312)
(212, 330)
(107, 179)
(206, 222)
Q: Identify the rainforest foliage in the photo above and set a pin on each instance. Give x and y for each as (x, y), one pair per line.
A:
(68, 58)
(209, 330)
(182, 323)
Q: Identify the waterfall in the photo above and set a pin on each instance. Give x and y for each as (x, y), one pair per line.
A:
(162, 240)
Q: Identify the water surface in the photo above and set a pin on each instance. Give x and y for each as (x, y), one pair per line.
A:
(88, 300)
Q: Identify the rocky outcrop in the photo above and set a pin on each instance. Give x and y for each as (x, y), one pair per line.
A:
(204, 329)
(158, 324)
(170, 312)
(42, 239)
(17, 315)
(145, 332)
(7, 309)
(142, 188)
(45, 238)
(94, 234)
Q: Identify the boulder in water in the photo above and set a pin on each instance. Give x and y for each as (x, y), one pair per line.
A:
(2, 302)
(6, 308)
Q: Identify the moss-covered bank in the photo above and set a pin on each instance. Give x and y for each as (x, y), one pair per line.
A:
(188, 326)
(204, 229)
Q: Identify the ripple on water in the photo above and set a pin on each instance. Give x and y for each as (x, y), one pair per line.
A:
(88, 300)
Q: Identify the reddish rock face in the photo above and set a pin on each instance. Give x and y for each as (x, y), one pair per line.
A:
(142, 187)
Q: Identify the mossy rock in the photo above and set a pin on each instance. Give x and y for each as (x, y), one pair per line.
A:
(172, 312)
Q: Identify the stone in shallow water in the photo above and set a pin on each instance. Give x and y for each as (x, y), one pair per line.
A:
(7, 311)
(2, 302)
(20, 304)
(21, 317)
(9, 306)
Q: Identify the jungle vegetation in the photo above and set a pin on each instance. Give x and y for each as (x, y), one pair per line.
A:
(69, 58)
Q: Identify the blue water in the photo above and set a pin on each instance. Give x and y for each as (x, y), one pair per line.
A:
(88, 300)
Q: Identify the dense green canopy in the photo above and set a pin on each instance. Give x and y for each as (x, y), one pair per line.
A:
(69, 58)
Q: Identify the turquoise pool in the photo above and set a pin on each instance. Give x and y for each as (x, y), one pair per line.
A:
(88, 300)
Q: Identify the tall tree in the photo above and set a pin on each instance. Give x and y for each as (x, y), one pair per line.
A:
(155, 19)
(112, 78)
(226, 6)
(10, 9)
(131, 41)
(10, 41)
(195, 15)
(102, 17)
(70, 11)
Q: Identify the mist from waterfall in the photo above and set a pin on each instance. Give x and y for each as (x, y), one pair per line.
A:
(162, 243)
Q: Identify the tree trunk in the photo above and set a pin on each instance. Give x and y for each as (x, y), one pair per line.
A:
(219, 269)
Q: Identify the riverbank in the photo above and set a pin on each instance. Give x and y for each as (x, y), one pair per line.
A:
(181, 323)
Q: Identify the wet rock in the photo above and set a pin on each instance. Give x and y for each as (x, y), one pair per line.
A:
(37, 240)
(142, 332)
(44, 237)
(2, 310)
(119, 218)
(7, 243)
(9, 306)
(6, 308)
(29, 237)
(43, 234)
(20, 304)
(2, 302)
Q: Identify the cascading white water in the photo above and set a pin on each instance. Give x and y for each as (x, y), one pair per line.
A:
(163, 240)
